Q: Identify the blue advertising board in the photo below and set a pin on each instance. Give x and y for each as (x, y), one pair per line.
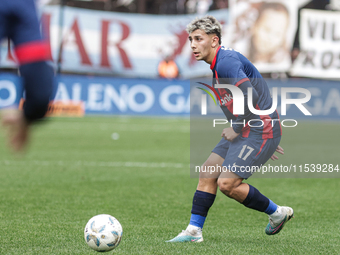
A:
(103, 95)
(323, 104)
(161, 97)
(107, 95)
(10, 90)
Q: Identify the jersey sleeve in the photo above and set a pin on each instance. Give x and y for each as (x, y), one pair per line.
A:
(230, 71)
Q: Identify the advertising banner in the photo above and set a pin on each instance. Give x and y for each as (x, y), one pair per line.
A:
(319, 45)
(122, 44)
(102, 95)
(160, 97)
(126, 96)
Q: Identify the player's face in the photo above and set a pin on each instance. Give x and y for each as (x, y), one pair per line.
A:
(203, 45)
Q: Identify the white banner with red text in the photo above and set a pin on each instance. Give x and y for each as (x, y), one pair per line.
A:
(119, 44)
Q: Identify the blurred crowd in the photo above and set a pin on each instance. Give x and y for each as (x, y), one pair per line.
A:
(146, 6)
(170, 6)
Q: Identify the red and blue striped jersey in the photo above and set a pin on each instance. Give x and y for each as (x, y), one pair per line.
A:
(231, 67)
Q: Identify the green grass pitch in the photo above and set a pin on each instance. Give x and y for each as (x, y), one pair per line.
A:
(74, 170)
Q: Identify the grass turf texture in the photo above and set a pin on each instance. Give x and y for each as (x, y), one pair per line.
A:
(74, 170)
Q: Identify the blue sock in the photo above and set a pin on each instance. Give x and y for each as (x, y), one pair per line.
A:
(197, 220)
(271, 207)
(200, 206)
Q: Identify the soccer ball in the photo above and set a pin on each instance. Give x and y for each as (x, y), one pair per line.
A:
(103, 232)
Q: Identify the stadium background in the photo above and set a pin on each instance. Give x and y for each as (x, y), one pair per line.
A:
(122, 142)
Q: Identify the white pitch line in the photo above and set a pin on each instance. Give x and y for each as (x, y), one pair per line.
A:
(96, 163)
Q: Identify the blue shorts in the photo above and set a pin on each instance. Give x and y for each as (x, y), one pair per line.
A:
(243, 156)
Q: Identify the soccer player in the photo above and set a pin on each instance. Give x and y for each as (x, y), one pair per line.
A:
(241, 146)
(19, 22)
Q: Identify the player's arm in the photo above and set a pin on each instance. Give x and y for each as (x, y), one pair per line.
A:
(234, 131)
(231, 71)
(247, 113)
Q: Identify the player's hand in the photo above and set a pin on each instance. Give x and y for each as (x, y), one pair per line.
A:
(280, 150)
(229, 134)
(17, 129)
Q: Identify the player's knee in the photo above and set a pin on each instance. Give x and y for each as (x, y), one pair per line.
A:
(36, 110)
(226, 187)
